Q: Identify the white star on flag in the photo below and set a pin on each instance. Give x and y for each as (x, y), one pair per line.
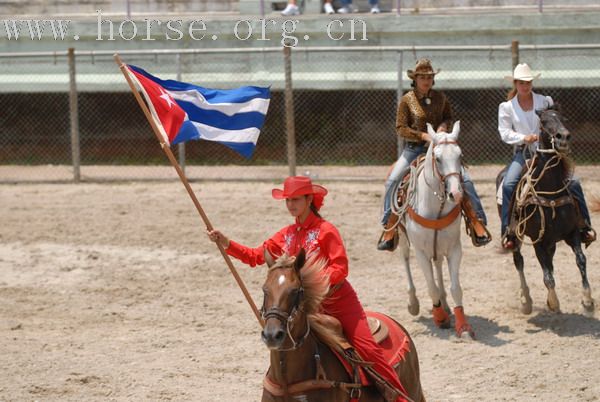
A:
(167, 98)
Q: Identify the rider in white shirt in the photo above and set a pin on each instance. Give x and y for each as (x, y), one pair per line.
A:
(519, 126)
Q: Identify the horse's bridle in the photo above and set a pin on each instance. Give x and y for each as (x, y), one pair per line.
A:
(287, 318)
(442, 178)
(553, 136)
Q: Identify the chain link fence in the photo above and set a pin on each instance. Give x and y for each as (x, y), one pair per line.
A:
(344, 99)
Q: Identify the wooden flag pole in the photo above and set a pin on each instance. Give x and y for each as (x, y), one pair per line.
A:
(166, 148)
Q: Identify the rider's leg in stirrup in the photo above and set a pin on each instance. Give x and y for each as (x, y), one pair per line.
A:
(588, 234)
(388, 241)
(511, 179)
(473, 209)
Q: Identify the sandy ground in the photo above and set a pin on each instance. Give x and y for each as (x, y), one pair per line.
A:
(113, 292)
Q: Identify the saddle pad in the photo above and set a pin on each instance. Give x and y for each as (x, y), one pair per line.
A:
(394, 345)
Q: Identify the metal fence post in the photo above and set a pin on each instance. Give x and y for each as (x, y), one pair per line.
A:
(514, 49)
(541, 6)
(398, 6)
(399, 140)
(181, 145)
(289, 111)
(74, 118)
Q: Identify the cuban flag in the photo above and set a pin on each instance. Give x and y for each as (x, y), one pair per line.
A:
(183, 112)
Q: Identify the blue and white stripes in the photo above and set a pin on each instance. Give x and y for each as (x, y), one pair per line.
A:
(233, 117)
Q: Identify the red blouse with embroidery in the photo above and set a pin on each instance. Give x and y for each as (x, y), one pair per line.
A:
(315, 235)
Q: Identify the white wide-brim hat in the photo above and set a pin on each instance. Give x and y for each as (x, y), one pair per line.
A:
(522, 73)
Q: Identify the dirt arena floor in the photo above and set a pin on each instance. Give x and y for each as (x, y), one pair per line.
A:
(112, 291)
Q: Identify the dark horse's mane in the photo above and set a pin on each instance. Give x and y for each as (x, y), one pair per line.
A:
(316, 287)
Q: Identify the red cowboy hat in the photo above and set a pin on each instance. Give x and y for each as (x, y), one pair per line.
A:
(295, 186)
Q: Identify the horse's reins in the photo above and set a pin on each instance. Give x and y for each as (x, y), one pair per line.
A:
(442, 178)
(440, 222)
(321, 381)
(288, 318)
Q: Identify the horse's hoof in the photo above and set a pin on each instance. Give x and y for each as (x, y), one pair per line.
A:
(465, 332)
(526, 302)
(444, 324)
(413, 309)
(440, 317)
(588, 308)
(526, 308)
(555, 308)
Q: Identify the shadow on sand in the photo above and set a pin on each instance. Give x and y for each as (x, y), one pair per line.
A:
(567, 324)
(486, 331)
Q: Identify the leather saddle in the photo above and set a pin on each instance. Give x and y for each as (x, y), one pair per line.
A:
(378, 328)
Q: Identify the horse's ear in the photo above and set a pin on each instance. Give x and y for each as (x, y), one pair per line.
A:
(268, 258)
(558, 108)
(456, 129)
(300, 259)
(430, 130)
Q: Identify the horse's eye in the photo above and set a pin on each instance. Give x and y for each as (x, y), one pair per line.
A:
(296, 295)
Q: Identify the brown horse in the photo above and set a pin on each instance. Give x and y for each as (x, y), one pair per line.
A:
(304, 352)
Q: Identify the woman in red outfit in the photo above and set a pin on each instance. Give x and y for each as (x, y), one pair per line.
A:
(311, 232)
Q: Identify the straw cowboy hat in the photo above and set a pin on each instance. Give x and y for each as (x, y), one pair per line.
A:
(522, 73)
(423, 67)
(295, 186)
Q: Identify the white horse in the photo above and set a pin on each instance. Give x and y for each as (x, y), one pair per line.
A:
(432, 222)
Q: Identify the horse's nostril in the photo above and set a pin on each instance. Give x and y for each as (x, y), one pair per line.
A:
(279, 336)
(559, 136)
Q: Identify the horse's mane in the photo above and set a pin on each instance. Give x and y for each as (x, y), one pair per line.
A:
(316, 287)
(568, 167)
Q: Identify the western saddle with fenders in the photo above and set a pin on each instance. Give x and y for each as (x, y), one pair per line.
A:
(405, 190)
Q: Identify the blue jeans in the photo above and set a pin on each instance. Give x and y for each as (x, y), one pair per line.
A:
(512, 177)
(409, 154)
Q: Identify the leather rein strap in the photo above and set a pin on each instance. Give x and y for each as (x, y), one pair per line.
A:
(304, 386)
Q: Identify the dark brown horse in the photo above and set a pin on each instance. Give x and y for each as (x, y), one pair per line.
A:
(303, 365)
(544, 210)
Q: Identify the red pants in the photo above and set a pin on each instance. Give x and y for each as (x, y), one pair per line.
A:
(344, 305)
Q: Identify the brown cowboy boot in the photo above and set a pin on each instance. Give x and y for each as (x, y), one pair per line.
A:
(480, 236)
(588, 234)
(509, 241)
(389, 238)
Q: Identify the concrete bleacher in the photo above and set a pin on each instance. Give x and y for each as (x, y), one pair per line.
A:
(312, 70)
(89, 7)
(253, 7)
